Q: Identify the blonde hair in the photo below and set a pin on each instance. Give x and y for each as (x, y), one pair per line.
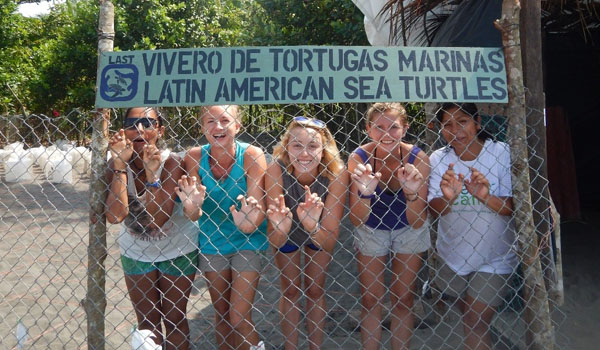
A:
(382, 107)
(331, 164)
(232, 110)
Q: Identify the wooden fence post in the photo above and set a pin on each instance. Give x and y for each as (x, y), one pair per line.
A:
(533, 79)
(95, 303)
(537, 312)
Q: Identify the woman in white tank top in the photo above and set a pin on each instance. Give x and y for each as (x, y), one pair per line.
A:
(157, 243)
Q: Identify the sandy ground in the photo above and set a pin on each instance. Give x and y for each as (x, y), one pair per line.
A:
(43, 262)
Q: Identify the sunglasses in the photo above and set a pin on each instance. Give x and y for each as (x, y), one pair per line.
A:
(147, 123)
(319, 124)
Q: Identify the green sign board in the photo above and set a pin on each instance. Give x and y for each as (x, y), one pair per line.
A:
(300, 74)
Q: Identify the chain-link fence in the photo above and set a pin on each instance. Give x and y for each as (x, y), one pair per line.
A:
(327, 284)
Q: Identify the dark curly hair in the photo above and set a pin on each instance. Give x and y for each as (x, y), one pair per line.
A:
(469, 109)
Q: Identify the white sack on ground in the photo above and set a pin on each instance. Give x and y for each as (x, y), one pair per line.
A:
(15, 146)
(78, 157)
(58, 168)
(143, 339)
(18, 167)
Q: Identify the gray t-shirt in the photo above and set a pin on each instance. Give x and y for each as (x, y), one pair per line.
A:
(294, 194)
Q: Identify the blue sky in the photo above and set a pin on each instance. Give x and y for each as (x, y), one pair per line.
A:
(36, 9)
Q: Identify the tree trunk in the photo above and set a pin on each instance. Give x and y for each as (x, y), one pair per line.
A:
(537, 313)
(95, 304)
(531, 42)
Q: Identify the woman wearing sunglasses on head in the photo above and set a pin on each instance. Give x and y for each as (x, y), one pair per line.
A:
(224, 191)
(388, 207)
(158, 244)
(306, 191)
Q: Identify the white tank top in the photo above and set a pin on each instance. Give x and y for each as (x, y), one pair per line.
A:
(178, 236)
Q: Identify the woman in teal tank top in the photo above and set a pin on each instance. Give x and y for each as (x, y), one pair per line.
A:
(224, 191)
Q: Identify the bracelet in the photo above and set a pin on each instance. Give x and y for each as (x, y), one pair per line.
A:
(119, 171)
(315, 230)
(411, 200)
(155, 184)
(370, 196)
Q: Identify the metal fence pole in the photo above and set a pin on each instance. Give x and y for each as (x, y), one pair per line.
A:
(537, 314)
(95, 305)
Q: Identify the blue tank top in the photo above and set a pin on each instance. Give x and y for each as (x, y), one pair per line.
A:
(218, 232)
(388, 210)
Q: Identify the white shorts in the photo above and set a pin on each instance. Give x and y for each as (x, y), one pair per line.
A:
(407, 240)
(242, 261)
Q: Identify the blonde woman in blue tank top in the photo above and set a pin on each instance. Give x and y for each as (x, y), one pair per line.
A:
(388, 206)
(224, 191)
(306, 191)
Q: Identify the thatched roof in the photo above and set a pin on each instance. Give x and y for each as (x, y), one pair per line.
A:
(558, 16)
(567, 16)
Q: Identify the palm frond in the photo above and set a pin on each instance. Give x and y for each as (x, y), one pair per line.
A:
(419, 13)
(557, 16)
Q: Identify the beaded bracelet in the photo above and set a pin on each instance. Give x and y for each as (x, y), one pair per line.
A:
(370, 196)
(315, 230)
(119, 171)
(155, 184)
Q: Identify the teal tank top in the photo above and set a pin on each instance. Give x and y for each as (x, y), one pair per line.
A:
(218, 233)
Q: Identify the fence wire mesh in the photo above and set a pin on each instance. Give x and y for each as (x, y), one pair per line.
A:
(343, 288)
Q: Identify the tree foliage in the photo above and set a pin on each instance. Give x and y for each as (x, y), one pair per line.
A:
(50, 62)
(66, 78)
(21, 50)
(316, 22)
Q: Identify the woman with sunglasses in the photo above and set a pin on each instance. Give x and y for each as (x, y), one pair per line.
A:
(388, 207)
(224, 191)
(306, 191)
(158, 244)
(471, 193)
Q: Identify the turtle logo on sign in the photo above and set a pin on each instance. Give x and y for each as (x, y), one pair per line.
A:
(119, 82)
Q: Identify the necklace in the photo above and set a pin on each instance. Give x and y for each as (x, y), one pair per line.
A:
(137, 172)
(465, 165)
(375, 159)
(219, 171)
(139, 178)
(386, 184)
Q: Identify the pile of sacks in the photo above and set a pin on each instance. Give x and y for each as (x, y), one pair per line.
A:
(58, 162)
